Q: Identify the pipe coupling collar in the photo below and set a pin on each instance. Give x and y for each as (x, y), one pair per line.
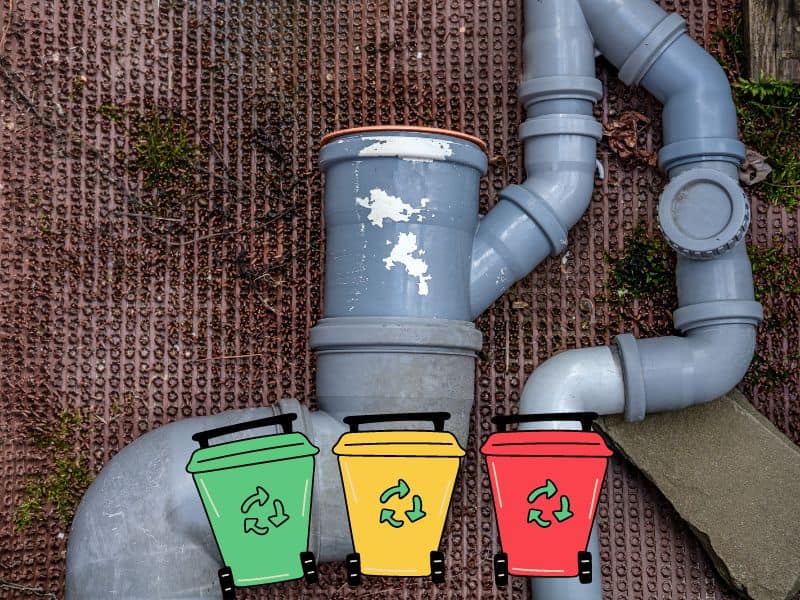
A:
(395, 334)
(703, 213)
(559, 87)
(635, 395)
(561, 124)
(720, 312)
(698, 150)
(650, 48)
(540, 213)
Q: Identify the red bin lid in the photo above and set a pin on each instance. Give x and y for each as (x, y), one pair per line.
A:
(546, 443)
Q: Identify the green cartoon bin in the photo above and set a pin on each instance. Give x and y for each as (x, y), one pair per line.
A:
(257, 496)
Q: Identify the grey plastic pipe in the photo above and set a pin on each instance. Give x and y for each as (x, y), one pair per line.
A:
(401, 290)
(140, 532)
(704, 216)
(530, 221)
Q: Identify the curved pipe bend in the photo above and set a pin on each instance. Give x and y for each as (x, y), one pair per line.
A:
(652, 47)
(585, 379)
(530, 221)
(671, 373)
(140, 531)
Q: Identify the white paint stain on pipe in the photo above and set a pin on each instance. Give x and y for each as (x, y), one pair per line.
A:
(412, 148)
(383, 206)
(403, 254)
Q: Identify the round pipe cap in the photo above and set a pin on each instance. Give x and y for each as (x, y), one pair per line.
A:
(703, 213)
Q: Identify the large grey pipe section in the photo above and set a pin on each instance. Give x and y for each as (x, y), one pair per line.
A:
(703, 215)
(530, 221)
(401, 211)
(140, 532)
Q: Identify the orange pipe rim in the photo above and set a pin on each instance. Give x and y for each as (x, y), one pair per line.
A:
(413, 128)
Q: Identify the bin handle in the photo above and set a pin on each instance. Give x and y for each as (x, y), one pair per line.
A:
(585, 418)
(284, 420)
(437, 418)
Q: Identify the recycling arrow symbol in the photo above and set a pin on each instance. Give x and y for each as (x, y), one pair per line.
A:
(259, 498)
(548, 490)
(401, 490)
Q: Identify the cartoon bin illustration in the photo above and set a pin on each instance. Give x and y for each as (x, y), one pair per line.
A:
(257, 496)
(397, 485)
(546, 485)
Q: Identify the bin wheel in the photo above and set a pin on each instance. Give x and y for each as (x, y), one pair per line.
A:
(353, 568)
(501, 569)
(437, 566)
(585, 567)
(309, 564)
(225, 575)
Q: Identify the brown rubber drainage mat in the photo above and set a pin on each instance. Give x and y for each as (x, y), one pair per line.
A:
(203, 303)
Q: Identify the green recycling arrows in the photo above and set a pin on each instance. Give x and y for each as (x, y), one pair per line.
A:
(401, 490)
(535, 516)
(416, 513)
(252, 525)
(280, 517)
(387, 516)
(259, 498)
(563, 514)
(548, 490)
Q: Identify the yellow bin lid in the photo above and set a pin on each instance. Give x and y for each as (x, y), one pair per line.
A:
(428, 444)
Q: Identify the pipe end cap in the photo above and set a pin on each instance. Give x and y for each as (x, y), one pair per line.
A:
(703, 213)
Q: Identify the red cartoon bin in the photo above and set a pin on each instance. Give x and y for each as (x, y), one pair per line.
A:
(546, 485)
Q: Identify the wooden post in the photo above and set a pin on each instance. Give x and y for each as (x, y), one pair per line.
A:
(772, 30)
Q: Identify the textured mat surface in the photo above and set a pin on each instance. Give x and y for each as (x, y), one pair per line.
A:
(130, 300)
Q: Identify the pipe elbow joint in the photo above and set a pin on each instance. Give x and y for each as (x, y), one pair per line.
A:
(531, 221)
(584, 379)
(672, 372)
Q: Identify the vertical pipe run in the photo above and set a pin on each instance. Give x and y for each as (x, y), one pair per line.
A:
(401, 209)
(530, 221)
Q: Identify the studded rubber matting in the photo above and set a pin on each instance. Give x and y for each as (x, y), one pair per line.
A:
(131, 297)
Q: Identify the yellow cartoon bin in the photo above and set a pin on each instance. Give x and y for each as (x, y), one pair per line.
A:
(397, 484)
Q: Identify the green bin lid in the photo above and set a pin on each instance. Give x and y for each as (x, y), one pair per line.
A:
(251, 451)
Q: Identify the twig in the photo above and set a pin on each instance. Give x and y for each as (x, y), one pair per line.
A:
(7, 26)
(267, 306)
(14, 88)
(210, 236)
(228, 357)
(143, 216)
(7, 585)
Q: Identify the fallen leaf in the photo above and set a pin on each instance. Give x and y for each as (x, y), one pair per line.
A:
(623, 137)
(754, 169)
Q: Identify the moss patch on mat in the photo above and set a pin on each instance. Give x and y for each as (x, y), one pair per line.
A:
(62, 486)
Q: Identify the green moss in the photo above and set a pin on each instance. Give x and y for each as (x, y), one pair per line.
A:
(768, 111)
(62, 486)
(113, 112)
(644, 270)
(29, 508)
(775, 270)
(772, 370)
(162, 149)
(733, 42)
